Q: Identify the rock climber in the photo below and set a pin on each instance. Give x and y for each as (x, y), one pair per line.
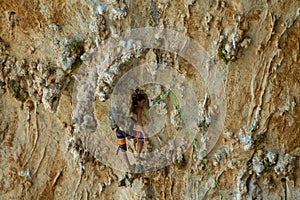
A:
(135, 132)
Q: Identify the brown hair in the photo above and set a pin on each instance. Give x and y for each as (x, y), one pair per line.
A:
(135, 99)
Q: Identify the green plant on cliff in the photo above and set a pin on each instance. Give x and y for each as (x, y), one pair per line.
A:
(180, 164)
(77, 49)
(14, 86)
(223, 55)
(259, 139)
(18, 92)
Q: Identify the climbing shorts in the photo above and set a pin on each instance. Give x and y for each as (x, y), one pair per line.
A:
(122, 135)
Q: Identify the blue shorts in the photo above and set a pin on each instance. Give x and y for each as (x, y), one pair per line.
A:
(122, 135)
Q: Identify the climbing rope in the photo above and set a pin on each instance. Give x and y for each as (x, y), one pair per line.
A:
(189, 131)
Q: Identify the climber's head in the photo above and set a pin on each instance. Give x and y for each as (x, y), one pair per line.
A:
(139, 100)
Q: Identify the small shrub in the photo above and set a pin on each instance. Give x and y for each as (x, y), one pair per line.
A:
(77, 49)
(180, 164)
(223, 55)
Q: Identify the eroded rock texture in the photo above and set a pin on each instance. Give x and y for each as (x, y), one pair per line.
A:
(60, 62)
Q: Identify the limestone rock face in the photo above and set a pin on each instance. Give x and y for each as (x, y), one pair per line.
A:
(221, 79)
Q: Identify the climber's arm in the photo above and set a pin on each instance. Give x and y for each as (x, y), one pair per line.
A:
(139, 120)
